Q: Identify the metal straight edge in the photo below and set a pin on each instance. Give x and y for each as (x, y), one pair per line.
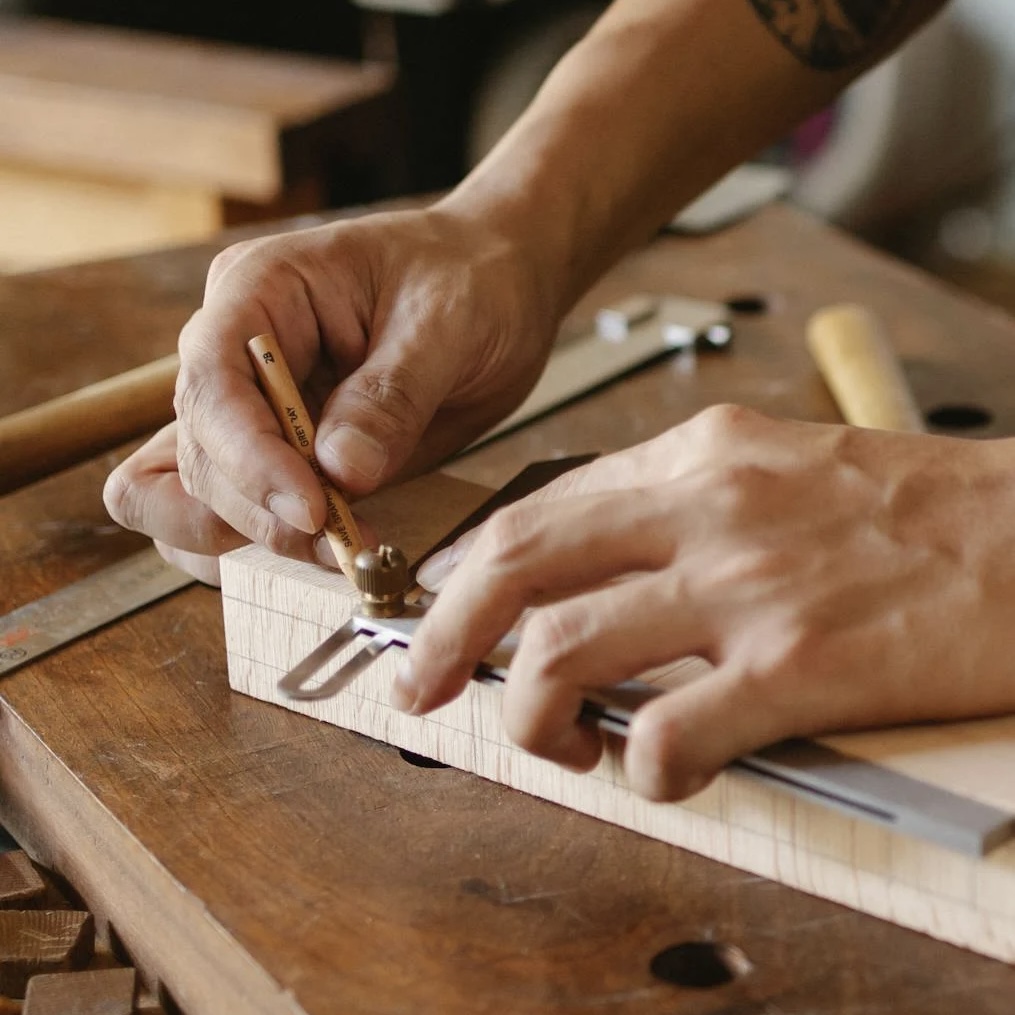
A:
(861, 788)
(48, 623)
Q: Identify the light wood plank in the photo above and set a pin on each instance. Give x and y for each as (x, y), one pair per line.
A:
(52, 218)
(277, 611)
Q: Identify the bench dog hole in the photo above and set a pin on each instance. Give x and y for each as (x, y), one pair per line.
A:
(959, 417)
(700, 965)
(420, 760)
(747, 303)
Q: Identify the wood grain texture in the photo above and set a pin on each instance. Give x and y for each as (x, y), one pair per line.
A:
(130, 105)
(253, 860)
(277, 611)
(52, 218)
(42, 941)
(90, 992)
(19, 880)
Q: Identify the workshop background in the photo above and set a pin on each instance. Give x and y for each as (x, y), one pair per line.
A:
(917, 157)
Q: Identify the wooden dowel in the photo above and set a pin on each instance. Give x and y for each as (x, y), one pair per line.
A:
(860, 368)
(280, 389)
(75, 427)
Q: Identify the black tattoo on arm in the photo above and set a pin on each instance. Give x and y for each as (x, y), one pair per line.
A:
(829, 34)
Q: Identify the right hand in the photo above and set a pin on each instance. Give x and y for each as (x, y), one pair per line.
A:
(410, 334)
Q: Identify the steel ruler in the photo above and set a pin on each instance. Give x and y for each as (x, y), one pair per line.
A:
(107, 595)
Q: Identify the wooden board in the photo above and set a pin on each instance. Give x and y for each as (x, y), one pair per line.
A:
(55, 218)
(90, 992)
(276, 611)
(130, 105)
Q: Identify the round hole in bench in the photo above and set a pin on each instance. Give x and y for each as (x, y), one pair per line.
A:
(959, 417)
(747, 303)
(700, 965)
(420, 760)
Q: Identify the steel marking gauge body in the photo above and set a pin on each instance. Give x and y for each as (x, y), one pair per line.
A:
(48, 623)
(804, 767)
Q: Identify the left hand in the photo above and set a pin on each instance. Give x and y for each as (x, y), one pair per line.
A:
(835, 577)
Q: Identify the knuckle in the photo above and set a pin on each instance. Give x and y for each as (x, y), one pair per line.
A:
(554, 634)
(187, 399)
(720, 427)
(750, 567)
(532, 730)
(194, 467)
(796, 648)
(726, 419)
(507, 536)
(388, 398)
(526, 735)
(737, 488)
(272, 534)
(278, 537)
(666, 769)
(225, 259)
(658, 734)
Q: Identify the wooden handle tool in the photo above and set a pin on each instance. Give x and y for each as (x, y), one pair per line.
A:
(857, 362)
(280, 389)
(75, 427)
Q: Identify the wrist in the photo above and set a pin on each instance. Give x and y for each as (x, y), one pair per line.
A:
(535, 242)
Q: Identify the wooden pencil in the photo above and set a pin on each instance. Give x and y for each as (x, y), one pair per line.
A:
(280, 389)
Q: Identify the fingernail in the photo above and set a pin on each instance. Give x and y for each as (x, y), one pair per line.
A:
(403, 690)
(436, 570)
(293, 510)
(355, 450)
(433, 573)
(324, 553)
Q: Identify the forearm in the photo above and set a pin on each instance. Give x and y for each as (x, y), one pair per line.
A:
(658, 101)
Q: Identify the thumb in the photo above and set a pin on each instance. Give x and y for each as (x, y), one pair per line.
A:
(375, 418)
(679, 741)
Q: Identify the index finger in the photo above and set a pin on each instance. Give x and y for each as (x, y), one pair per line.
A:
(224, 415)
(525, 553)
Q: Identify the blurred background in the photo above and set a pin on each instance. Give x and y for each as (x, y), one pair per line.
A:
(917, 157)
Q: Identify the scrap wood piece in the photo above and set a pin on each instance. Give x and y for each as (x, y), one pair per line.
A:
(42, 941)
(19, 880)
(91, 992)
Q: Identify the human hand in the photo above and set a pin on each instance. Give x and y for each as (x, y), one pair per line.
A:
(835, 578)
(410, 334)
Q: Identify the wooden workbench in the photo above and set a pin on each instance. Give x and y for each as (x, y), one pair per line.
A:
(259, 862)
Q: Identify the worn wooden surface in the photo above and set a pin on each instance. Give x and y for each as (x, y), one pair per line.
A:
(246, 853)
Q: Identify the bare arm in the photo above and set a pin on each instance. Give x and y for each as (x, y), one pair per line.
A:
(658, 101)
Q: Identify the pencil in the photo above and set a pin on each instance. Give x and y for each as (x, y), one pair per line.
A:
(280, 389)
